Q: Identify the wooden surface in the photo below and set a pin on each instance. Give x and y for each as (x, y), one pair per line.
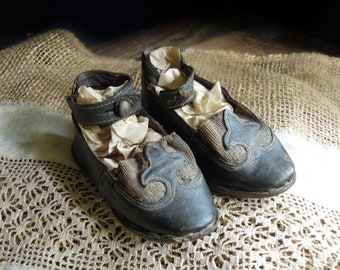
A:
(246, 33)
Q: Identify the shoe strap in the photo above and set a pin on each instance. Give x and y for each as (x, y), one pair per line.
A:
(177, 98)
(174, 98)
(123, 104)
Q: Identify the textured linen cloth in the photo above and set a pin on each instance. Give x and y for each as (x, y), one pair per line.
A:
(52, 216)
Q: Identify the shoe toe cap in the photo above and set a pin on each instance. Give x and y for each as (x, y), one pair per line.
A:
(277, 173)
(271, 173)
(190, 213)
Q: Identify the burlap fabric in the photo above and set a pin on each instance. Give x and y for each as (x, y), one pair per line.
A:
(53, 218)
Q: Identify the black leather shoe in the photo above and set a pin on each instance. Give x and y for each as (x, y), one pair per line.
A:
(236, 151)
(159, 192)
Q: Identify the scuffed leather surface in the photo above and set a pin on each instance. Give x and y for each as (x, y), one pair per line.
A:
(187, 207)
(266, 166)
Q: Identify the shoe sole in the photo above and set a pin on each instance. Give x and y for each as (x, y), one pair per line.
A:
(162, 238)
(221, 190)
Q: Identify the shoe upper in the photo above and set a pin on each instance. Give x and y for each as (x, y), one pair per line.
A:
(159, 191)
(234, 148)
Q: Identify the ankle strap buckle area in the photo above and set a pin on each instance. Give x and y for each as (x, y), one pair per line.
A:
(106, 112)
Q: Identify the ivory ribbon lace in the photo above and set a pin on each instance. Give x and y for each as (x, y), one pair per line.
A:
(122, 139)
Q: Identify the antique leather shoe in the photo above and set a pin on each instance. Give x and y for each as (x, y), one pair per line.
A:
(236, 151)
(148, 177)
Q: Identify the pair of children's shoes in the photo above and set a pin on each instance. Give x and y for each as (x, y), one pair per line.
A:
(157, 154)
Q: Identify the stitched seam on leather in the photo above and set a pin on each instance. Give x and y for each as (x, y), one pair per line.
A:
(149, 206)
